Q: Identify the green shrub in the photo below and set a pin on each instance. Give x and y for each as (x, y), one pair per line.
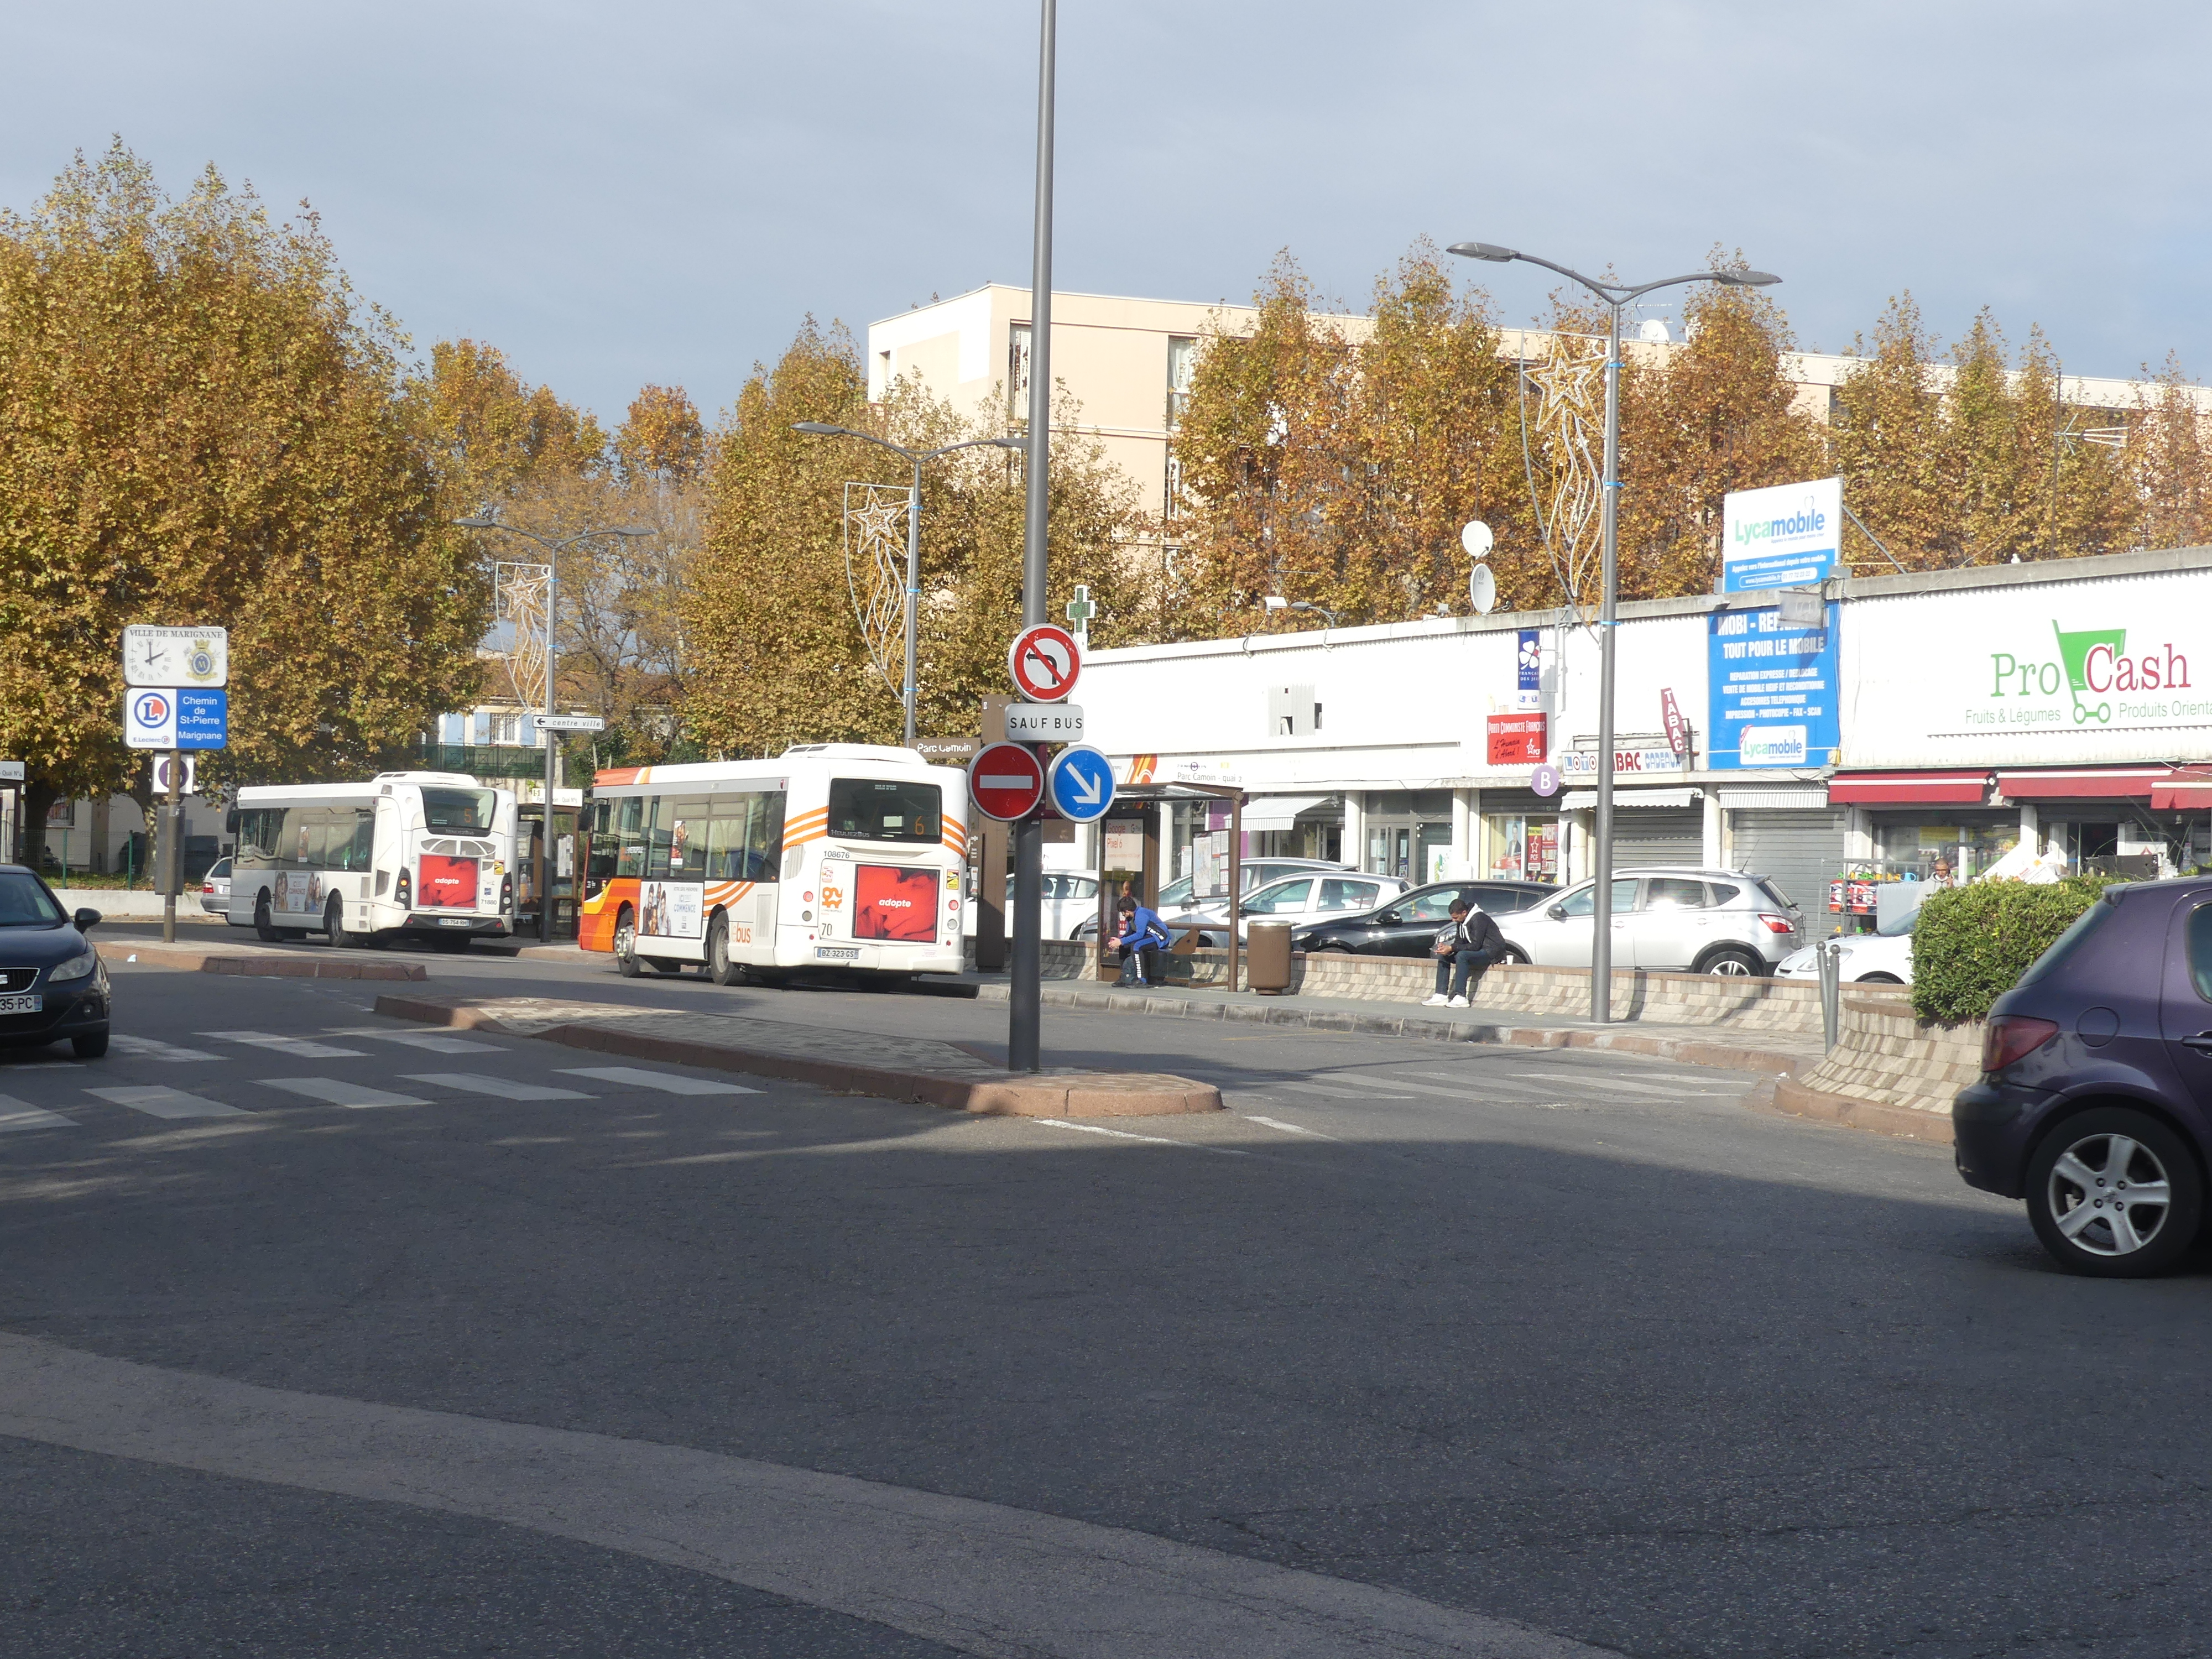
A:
(1973, 943)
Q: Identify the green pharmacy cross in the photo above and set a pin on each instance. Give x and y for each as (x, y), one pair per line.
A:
(1080, 610)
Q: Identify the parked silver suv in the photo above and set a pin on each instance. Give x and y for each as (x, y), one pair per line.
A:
(1667, 919)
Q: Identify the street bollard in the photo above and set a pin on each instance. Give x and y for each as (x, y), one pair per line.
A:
(1831, 990)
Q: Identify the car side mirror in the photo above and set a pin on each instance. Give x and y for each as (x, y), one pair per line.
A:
(1557, 912)
(1390, 919)
(86, 919)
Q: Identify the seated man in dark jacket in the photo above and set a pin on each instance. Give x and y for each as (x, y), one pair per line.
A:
(1465, 947)
(1142, 934)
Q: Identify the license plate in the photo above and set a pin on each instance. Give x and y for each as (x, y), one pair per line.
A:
(453, 921)
(33, 1004)
(824, 952)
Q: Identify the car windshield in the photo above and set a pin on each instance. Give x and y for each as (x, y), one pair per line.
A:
(25, 903)
(1898, 926)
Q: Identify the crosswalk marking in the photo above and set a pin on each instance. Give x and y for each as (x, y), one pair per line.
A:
(1341, 1093)
(146, 1048)
(21, 1114)
(336, 1091)
(436, 1042)
(475, 1082)
(1461, 1093)
(1556, 1078)
(162, 1101)
(294, 1047)
(664, 1081)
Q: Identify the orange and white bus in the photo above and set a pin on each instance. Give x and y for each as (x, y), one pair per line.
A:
(848, 855)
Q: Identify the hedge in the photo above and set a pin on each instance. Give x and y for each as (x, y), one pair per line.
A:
(1972, 944)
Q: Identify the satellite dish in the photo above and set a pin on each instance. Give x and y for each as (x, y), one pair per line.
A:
(1475, 536)
(1481, 590)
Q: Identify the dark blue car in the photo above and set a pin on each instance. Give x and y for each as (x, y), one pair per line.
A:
(53, 987)
(2095, 1100)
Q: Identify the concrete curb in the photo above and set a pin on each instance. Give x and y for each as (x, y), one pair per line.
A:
(1788, 1096)
(186, 960)
(1691, 1051)
(1071, 1095)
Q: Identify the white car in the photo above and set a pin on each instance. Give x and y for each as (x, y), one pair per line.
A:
(1070, 900)
(1667, 920)
(215, 890)
(1300, 898)
(1252, 874)
(1876, 958)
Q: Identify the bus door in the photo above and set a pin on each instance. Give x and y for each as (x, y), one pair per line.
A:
(672, 918)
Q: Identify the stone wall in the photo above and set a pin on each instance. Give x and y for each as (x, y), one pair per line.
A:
(1887, 1057)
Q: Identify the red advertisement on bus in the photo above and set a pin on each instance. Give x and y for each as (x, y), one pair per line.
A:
(448, 884)
(895, 904)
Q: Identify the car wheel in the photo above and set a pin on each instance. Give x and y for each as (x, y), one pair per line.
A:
(91, 1046)
(1877, 978)
(626, 961)
(1735, 963)
(2113, 1194)
(1515, 955)
(1330, 950)
(263, 928)
(720, 967)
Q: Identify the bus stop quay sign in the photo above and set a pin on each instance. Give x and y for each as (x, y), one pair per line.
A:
(1005, 782)
(1044, 661)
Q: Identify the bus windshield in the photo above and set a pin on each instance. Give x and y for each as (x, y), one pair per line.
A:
(464, 809)
(884, 809)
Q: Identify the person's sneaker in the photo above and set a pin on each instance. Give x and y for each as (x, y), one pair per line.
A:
(1457, 1002)
(1436, 1001)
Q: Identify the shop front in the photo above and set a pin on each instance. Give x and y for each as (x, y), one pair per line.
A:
(1521, 837)
(1407, 833)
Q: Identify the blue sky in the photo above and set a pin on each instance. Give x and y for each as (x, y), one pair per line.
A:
(661, 191)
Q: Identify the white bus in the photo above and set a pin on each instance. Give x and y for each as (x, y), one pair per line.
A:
(424, 855)
(845, 855)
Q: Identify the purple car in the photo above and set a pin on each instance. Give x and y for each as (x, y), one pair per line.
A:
(2095, 1100)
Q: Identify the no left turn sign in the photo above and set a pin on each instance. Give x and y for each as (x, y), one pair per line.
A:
(1044, 661)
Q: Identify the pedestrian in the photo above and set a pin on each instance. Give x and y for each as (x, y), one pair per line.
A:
(1465, 948)
(1142, 934)
(1942, 876)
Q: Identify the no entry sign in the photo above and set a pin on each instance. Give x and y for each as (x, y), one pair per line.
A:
(1044, 661)
(1005, 782)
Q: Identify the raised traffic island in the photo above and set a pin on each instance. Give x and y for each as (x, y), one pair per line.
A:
(889, 1067)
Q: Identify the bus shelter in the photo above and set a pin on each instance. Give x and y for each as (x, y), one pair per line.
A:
(1149, 803)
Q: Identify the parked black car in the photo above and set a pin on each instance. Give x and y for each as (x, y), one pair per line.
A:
(52, 983)
(2095, 1100)
(1407, 926)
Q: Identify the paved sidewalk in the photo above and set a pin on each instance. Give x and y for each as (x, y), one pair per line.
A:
(856, 1061)
(235, 958)
(1779, 1053)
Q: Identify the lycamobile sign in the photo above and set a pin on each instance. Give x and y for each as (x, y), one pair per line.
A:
(1783, 537)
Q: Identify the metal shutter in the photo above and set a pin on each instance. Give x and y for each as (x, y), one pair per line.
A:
(1658, 834)
(1800, 852)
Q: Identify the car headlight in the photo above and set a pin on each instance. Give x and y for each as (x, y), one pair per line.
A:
(79, 966)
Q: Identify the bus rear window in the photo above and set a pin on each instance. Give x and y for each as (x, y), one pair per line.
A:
(465, 811)
(880, 809)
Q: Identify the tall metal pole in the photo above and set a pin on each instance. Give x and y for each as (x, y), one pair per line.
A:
(913, 590)
(546, 840)
(1602, 909)
(172, 848)
(1025, 993)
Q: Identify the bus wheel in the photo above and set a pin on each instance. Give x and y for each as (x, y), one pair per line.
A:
(626, 961)
(720, 967)
(263, 930)
(334, 928)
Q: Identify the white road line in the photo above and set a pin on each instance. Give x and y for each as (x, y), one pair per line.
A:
(1556, 1078)
(335, 1091)
(296, 1047)
(21, 1114)
(1287, 1128)
(155, 1048)
(1340, 1093)
(664, 1081)
(163, 1101)
(442, 1045)
(499, 1088)
(1118, 1134)
(1463, 1093)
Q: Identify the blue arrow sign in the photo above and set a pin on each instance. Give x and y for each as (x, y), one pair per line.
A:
(1081, 783)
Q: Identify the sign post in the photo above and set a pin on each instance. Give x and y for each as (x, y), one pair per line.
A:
(175, 702)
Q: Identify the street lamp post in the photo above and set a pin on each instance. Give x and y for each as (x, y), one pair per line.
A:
(1615, 297)
(553, 551)
(908, 693)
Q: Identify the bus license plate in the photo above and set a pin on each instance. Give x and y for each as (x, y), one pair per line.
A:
(827, 953)
(453, 921)
(33, 1004)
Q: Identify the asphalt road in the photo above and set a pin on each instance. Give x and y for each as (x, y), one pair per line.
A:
(1572, 1341)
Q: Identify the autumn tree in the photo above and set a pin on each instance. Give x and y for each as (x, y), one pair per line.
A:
(2169, 462)
(200, 422)
(777, 654)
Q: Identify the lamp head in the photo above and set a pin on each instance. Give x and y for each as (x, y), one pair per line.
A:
(1746, 278)
(1490, 251)
(818, 428)
(478, 523)
(1011, 443)
(632, 530)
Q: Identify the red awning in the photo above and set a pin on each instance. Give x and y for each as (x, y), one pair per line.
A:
(2194, 795)
(1909, 788)
(2086, 782)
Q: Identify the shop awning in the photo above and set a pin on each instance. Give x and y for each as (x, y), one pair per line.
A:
(1277, 811)
(1909, 788)
(1805, 798)
(1585, 800)
(2182, 795)
(2086, 782)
